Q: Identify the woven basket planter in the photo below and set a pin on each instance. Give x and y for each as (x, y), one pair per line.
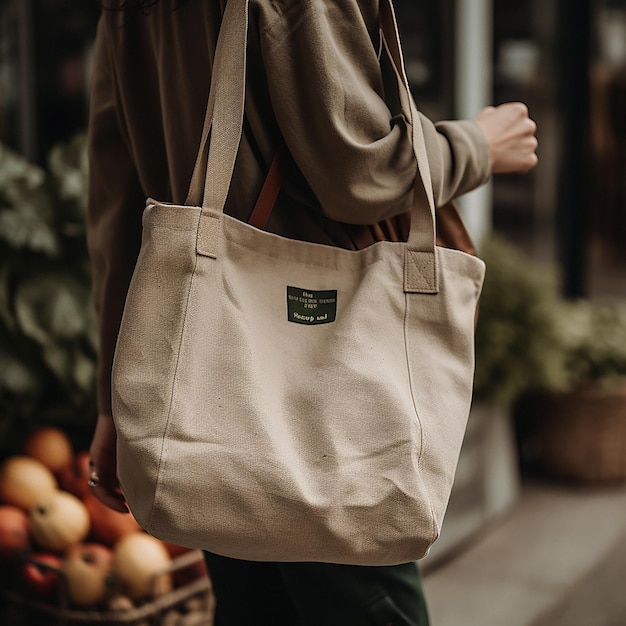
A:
(580, 436)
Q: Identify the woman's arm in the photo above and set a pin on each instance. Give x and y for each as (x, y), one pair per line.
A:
(113, 232)
(323, 68)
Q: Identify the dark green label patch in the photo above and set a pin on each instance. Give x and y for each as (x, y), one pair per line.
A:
(311, 307)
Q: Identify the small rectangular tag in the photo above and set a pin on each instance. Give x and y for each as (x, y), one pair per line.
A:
(311, 307)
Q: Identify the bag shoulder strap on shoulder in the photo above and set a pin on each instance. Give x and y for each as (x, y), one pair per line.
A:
(224, 124)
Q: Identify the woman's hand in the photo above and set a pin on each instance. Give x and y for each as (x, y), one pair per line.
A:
(511, 137)
(103, 480)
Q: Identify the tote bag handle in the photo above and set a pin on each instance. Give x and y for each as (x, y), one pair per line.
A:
(223, 125)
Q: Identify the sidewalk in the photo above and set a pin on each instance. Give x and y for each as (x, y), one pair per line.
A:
(558, 558)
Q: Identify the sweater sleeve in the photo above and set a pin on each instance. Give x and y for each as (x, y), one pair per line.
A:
(458, 157)
(324, 76)
(115, 204)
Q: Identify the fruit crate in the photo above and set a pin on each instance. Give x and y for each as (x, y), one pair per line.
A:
(190, 604)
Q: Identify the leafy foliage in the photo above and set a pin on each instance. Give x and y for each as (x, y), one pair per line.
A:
(516, 343)
(528, 339)
(47, 325)
(593, 337)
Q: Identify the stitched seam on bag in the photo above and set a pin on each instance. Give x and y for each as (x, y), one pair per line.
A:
(331, 266)
(169, 412)
(421, 427)
(164, 227)
(408, 367)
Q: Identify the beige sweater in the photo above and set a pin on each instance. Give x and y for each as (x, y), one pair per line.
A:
(315, 85)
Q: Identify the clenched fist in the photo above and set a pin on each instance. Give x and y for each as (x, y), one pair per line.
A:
(511, 137)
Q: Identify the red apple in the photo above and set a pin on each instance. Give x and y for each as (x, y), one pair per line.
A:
(14, 531)
(74, 475)
(51, 446)
(185, 574)
(87, 568)
(41, 573)
(107, 525)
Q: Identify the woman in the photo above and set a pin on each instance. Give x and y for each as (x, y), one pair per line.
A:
(316, 93)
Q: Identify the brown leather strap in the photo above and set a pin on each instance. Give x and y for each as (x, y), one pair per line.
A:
(269, 193)
(451, 232)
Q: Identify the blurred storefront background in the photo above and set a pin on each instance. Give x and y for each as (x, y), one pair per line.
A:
(44, 72)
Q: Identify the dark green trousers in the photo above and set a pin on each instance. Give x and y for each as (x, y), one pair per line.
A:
(316, 594)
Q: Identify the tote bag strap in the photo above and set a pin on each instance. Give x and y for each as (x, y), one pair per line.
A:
(224, 124)
(420, 266)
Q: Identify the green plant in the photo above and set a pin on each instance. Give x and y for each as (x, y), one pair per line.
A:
(593, 340)
(47, 326)
(528, 339)
(517, 347)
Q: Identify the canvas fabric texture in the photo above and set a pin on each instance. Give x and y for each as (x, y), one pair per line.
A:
(282, 400)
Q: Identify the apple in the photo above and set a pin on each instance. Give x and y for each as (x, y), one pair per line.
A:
(107, 525)
(40, 573)
(14, 531)
(74, 475)
(118, 602)
(58, 521)
(184, 574)
(141, 564)
(51, 446)
(87, 569)
(23, 480)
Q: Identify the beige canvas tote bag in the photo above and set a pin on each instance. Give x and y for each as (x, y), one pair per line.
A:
(287, 401)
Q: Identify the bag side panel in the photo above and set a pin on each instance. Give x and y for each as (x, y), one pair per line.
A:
(440, 349)
(147, 350)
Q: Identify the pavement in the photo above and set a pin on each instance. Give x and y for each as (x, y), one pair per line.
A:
(557, 557)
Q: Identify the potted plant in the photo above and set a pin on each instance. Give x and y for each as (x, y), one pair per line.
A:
(560, 365)
(578, 432)
(518, 346)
